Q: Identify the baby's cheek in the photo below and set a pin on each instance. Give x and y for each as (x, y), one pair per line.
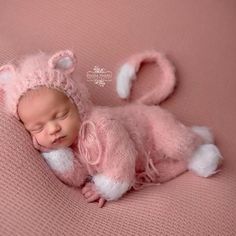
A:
(71, 125)
(72, 131)
(76, 124)
(75, 130)
(42, 139)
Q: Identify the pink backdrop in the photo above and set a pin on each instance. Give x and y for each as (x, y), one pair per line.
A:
(199, 37)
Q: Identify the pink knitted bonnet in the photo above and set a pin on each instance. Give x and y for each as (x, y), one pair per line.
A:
(53, 71)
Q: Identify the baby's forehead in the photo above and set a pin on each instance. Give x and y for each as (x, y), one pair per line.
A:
(42, 104)
(42, 93)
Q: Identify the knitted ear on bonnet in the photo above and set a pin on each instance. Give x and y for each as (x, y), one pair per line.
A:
(42, 69)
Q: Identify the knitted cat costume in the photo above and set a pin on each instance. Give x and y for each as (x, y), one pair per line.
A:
(120, 147)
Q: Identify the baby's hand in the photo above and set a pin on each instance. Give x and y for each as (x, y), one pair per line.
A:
(90, 193)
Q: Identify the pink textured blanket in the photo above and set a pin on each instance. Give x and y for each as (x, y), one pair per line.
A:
(199, 37)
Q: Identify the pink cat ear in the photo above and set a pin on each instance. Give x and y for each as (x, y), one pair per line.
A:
(64, 61)
(7, 72)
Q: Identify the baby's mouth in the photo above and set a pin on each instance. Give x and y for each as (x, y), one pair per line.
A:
(58, 140)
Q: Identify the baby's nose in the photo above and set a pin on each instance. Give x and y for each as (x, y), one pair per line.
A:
(53, 128)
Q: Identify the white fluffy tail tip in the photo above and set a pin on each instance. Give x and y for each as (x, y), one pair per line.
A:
(124, 80)
(205, 160)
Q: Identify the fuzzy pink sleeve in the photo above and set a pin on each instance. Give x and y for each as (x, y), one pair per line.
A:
(118, 150)
(66, 166)
(117, 160)
(76, 176)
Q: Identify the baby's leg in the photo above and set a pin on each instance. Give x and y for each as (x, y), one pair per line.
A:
(169, 169)
(173, 140)
(192, 145)
(206, 159)
(204, 133)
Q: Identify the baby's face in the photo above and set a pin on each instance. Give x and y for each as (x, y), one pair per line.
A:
(50, 117)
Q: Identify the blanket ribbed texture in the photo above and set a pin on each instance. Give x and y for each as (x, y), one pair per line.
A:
(199, 37)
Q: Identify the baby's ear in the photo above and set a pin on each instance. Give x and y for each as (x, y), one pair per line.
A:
(6, 74)
(64, 61)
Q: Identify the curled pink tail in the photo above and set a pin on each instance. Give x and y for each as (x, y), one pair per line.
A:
(128, 71)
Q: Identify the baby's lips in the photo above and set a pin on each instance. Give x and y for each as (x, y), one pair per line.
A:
(58, 139)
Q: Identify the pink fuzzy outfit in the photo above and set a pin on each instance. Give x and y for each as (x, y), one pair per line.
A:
(120, 147)
(132, 143)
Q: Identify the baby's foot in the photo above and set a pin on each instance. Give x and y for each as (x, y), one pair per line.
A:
(205, 160)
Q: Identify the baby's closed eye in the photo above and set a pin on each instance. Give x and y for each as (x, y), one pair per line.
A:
(36, 129)
(62, 115)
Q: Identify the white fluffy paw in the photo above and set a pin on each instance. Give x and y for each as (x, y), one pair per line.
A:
(109, 188)
(60, 160)
(204, 133)
(205, 160)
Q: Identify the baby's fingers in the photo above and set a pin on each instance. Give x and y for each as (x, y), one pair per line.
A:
(86, 188)
(101, 202)
(93, 198)
(88, 194)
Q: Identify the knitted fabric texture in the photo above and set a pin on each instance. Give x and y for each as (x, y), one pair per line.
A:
(150, 147)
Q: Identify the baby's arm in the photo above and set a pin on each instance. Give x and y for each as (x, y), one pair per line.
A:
(66, 166)
(118, 163)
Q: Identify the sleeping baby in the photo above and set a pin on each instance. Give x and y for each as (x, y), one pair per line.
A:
(104, 150)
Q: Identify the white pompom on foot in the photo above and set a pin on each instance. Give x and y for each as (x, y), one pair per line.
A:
(205, 160)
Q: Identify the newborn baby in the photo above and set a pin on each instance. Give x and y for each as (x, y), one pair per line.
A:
(120, 148)
(51, 118)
